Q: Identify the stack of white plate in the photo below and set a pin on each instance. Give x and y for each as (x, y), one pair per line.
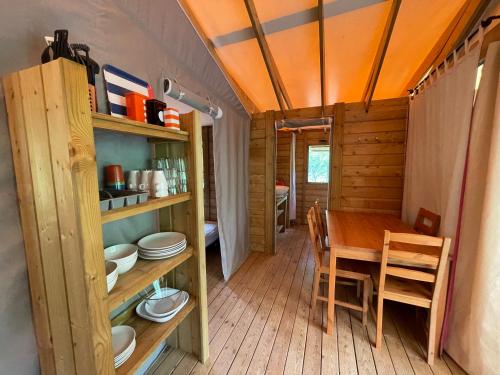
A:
(162, 305)
(124, 255)
(123, 338)
(161, 245)
(111, 274)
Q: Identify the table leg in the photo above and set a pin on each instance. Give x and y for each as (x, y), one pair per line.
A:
(331, 293)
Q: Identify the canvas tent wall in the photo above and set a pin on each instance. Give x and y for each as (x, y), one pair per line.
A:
(151, 39)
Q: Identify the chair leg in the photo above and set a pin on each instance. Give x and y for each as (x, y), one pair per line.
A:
(317, 276)
(432, 336)
(380, 315)
(366, 293)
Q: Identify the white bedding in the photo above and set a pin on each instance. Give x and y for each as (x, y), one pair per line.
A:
(211, 232)
(281, 190)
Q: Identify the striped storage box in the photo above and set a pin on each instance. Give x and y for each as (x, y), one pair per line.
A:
(171, 118)
(118, 83)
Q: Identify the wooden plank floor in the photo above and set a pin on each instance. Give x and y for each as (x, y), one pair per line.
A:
(260, 323)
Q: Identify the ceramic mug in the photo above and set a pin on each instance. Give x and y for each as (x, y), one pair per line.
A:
(159, 187)
(134, 180)
(114, 177)
(146, 176)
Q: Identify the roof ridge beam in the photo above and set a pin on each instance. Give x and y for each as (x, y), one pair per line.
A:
(290, 21)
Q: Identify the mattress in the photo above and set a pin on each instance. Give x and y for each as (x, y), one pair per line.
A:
(281, 190)
(211, 232)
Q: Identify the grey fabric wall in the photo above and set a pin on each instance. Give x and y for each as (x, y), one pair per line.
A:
(148, 38)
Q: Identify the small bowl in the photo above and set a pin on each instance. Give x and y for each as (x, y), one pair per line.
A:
(111, 274)
(124, 255)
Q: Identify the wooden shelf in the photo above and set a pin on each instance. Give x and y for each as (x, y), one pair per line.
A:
(149, 335)
(123, 125)
(281, 200)
(143, 274)
(279, 228)
(279, 213)
(150, 205)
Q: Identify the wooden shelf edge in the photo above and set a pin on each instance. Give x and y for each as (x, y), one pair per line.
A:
(137, 209)
(124, 125)
(279, 228)
(152, 336)
(143, 274)
(279, 213)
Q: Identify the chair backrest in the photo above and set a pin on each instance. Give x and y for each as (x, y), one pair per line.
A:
(316, 245)
(398, 263)
(427, 222)
(320, 223)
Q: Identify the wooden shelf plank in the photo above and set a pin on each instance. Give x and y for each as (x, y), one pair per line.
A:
(142, 275)
(150, 335)
(150, 205)
(279, 228)
(123, 125)
(279, 213)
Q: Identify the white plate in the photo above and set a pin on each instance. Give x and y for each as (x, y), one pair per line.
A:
(141, 311)
(173, 248)
(160, 256)
(122, 337)
(162, 252)
(174, 301)
(161, 240)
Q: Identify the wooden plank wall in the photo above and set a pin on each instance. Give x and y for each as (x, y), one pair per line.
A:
(261, 187)
(306, 193)
(209, 174)
(373, 156)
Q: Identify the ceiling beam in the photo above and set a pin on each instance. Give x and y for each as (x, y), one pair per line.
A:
(455, 33)
(249, 106)
(379, 57)
(321, 18)
(278, 86)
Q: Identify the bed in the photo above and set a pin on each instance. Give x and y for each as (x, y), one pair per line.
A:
(211, 232)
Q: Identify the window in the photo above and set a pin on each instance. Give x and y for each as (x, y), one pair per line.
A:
(318, 164)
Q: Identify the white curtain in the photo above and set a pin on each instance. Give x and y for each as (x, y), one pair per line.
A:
(474, 330)
(438, 131)
(292, 204)
(231, 137)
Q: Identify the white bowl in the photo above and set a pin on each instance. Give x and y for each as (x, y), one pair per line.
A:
(124, 255)
(123, 340)
(111, 274)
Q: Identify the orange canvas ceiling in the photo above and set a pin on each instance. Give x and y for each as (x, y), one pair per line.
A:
(352, 33)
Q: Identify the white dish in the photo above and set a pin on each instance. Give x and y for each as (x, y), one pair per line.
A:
(111, 274)
(127, 354)
(161, 240)
(124, 255)
(123, 338)
(173, 248)
(159, 256)
(173, 300)
(141, 311)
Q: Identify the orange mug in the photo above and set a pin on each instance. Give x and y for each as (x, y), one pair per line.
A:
(114, 177)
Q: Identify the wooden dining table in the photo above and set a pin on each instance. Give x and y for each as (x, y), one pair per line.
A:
(360, 236)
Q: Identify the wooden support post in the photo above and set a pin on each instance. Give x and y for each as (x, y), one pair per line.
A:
(336, 149)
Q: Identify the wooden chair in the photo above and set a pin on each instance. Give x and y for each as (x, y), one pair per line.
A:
(410, 285)
(321, 225)
(427, 222)
(322, 267)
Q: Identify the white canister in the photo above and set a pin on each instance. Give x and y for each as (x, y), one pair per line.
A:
(146, 176)
(159, 187)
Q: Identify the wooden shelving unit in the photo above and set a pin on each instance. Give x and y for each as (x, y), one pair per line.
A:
(52, 137)
(149, 335)
(123, 125)
(142, 275)
(150, 205)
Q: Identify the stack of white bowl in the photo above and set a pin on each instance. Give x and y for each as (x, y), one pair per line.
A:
(162, 305)
(111, 274)
(161, 245)
(124, 255)
(123, 339)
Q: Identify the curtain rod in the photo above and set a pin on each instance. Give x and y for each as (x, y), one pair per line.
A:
(484, 24)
